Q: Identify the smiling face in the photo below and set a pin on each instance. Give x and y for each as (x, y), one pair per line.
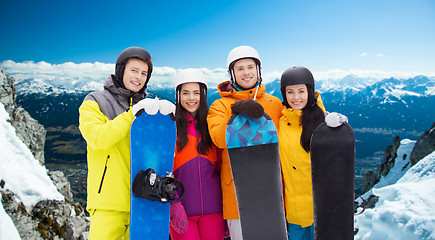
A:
(135, 74)
(245, 72)
(297, 96)
(190, 97)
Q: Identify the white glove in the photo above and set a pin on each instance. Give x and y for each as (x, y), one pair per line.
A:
(166, 107)
(150, 106)
(335, 119)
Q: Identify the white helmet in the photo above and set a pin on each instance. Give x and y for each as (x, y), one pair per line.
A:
(190, 75)
(242, 52)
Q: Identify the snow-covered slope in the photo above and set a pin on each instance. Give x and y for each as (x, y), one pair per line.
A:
(406, 199)
(7, 227)
(22, 175)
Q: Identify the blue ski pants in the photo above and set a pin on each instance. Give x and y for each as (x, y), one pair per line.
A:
(296, 232)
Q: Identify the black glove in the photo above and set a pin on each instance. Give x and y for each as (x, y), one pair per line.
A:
(248, 107)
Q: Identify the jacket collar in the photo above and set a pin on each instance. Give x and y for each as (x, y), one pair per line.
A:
(122, 94)
(226, 90)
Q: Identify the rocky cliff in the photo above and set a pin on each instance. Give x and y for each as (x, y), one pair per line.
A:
(28, 129)
(48, 219)
(390, 155)
(423, 146)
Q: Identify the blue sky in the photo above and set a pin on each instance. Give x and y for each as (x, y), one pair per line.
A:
(390, 35)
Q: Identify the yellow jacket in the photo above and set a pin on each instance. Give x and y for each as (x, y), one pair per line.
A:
(217, 119)
(105, 125)
(296, 168)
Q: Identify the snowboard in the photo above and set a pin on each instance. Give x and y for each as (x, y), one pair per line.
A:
(152, 141)
(333, 168)
(254, 158)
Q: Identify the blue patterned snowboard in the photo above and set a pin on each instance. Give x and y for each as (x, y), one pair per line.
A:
(152, 146)
(254, 157)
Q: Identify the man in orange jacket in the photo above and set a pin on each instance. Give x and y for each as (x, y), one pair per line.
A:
(243, 93)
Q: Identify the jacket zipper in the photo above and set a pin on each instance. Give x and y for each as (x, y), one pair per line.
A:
(104, 173)
(200, 184)
(200, 177)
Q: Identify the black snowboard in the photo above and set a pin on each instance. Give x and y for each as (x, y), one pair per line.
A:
(333, 171)
(254, 158)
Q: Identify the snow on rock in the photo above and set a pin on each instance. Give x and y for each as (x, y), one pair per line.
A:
(7, 227)
(404, 209)
(21, 172)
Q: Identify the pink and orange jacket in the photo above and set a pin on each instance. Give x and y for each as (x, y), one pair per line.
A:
(199, 175)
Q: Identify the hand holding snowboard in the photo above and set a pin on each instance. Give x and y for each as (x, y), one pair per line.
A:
(152, 106)
(248, 107)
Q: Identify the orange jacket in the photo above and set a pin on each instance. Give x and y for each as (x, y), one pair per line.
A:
(217, 119)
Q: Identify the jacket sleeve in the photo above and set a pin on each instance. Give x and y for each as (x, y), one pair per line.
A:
(218, 116)
(100, 132)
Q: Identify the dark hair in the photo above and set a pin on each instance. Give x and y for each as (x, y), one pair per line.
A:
(312, 116)
(201, 122)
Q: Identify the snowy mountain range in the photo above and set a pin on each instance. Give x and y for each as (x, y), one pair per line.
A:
(386, 107)
(389, 103)
(396, 88)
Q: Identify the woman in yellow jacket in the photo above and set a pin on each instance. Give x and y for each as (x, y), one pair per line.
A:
(105, 121)
(237, 96)
(303, 113)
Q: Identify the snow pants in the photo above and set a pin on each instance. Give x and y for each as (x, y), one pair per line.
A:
(109, 224)
(235, 229)
(207, 227)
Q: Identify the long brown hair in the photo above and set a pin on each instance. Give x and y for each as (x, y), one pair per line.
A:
(205, 142)
(312, 116)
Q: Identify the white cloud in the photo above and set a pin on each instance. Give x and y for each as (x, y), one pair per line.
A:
(363, 54)
(270, 76)
(97, 72)
(165, 76)
(380, 55)
(46, 70)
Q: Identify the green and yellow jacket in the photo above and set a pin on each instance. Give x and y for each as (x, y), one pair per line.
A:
(104, 122)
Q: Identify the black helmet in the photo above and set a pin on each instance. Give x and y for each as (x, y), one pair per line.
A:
(295, 76)
(132, 52)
